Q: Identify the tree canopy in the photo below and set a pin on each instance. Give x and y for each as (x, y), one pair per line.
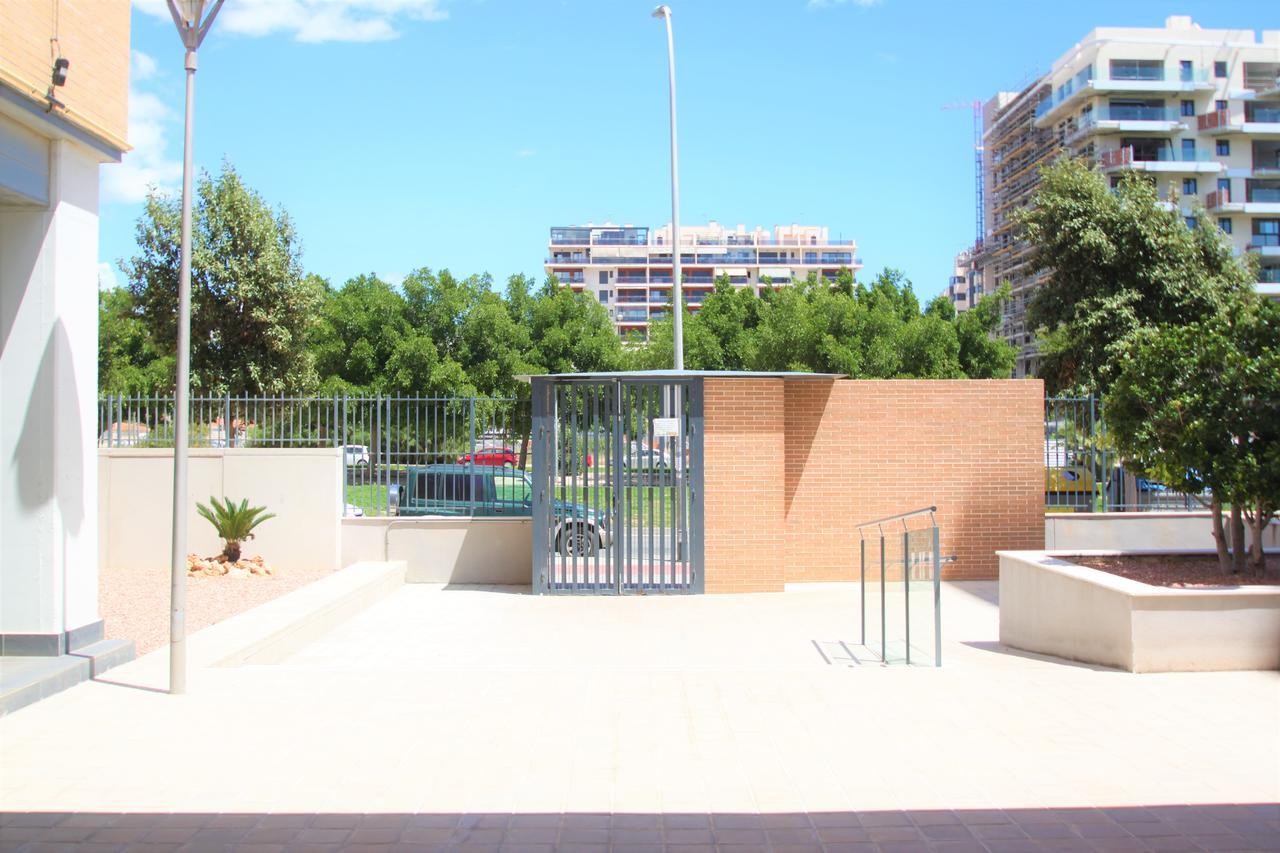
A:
(1119, 262)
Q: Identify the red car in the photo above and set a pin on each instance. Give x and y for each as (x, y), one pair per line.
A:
(498, 456)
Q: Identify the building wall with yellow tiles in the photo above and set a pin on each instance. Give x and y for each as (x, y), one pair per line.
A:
(94, 36)
(793, 466)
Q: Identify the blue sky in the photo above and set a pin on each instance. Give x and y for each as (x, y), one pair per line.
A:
(453, 133)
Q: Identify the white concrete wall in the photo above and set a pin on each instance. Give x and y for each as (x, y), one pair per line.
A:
(303, 487)
(445, 549)
(1052, 606)
(1137, 531)
(48, 392)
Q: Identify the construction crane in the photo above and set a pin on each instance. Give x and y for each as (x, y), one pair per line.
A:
(978, 192)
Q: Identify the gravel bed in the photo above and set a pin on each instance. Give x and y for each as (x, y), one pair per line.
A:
(135, 602)
(1178, 570)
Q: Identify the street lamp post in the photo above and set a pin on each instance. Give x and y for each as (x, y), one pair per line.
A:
(664, 12)
(193, 25)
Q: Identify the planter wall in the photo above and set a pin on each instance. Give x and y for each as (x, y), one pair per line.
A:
(1052, 606)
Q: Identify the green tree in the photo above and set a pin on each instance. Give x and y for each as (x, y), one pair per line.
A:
(1198, 407)
(571, 333)
(1118, 263)
(128, 362)
(982, 354)
(360, 326)
(251, 306)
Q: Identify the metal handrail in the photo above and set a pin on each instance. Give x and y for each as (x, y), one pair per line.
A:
(898, 517)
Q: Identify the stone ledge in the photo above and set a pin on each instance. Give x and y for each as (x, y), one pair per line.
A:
(1052, 606)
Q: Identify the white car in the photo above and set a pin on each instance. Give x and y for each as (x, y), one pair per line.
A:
(356, 454)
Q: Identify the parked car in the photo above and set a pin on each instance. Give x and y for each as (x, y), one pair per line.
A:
(356, 454)
(499, 456)
(495, 491)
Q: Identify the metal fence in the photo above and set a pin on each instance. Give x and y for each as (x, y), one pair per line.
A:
(1082, 472)
(382, 437)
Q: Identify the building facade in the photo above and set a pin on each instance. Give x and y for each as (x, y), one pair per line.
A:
(628, 267)
(64, 79)
(964, 288)
(1196, 110)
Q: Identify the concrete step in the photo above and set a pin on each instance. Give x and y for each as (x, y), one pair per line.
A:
(105, 654)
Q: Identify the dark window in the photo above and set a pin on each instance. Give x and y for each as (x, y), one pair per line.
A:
(1188, 149)
(1224, 185)
(1224, 148)
(448, 487)
(604, 296)
(1188, 108)
(1219, 105)
(1189, 186)
(1225, 224)
(1137, 69)
(604, 278)
(1192, 222)
(1184, 68)
(1219, 69)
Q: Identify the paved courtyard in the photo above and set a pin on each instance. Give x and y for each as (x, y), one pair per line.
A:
(449, 711)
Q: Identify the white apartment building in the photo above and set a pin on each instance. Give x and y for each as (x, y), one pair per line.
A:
(964, 288)
(628, 267)
(1196, 110)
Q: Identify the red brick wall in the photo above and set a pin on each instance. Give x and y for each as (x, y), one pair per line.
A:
(851, 451)
(743, 450)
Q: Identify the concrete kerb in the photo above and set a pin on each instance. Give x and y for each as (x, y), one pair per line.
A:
(270, 632)
(1050, 605)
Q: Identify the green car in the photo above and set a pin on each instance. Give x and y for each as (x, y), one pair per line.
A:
(493, 492)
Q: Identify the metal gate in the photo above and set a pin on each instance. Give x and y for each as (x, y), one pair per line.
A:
(617, 485)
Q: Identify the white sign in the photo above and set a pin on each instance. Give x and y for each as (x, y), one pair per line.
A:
(666, 427)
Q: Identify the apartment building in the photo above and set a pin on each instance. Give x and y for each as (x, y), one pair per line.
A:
(628, 267)
(964, 288)
(1196, 110)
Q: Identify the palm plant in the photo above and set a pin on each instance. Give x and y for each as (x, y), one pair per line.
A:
(233, 522)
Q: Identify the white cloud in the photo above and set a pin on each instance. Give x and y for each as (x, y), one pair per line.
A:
(315, 20)
(107, 276)
(149, 163)
(141, 66)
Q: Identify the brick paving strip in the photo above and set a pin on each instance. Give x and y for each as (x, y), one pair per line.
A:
(1249, 827)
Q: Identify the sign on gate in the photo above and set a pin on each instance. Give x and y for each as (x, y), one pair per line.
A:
(617, 480)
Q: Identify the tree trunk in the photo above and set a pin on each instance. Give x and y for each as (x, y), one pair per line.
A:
(1237, 539)
(524, 452)
(1220, 536)
(231, 550)
(1258, 521)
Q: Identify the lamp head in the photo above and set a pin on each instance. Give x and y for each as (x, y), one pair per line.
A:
(663, 11)
(190, 11)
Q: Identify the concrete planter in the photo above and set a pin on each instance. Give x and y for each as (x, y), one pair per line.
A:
(1052, 606)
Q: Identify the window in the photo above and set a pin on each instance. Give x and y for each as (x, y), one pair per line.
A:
(1224, 148)
(1224, 185)
(604, 278)
(1185, 72)
(1189, 186)
(1219, 105)
(1188, 149)
(1266, 232)
(604, 295)
(1137, 69)
(1225, 224)
(1188, 108)
(1192, 222)
(1219, 69)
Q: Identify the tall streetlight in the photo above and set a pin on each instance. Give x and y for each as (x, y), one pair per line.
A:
(193, 25)
(664, 12)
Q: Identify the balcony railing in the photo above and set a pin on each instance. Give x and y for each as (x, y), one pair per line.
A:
(1213, 120)
(1085, 78)
(1131, 113)
(1265, 114)
(1261, 240)
(1269, 275)
(1127, 155)
(1217, 199)
(1264, 195)
(631, 279)
(632, 315)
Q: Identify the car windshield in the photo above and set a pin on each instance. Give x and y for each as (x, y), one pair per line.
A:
(514, 488)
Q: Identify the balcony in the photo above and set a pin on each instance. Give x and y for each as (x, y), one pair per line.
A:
(1259, 120)
(1269, 275)
(1162, 159)
(632, 315)
(1127, 119)
(1267, 245)
(1135, 80)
